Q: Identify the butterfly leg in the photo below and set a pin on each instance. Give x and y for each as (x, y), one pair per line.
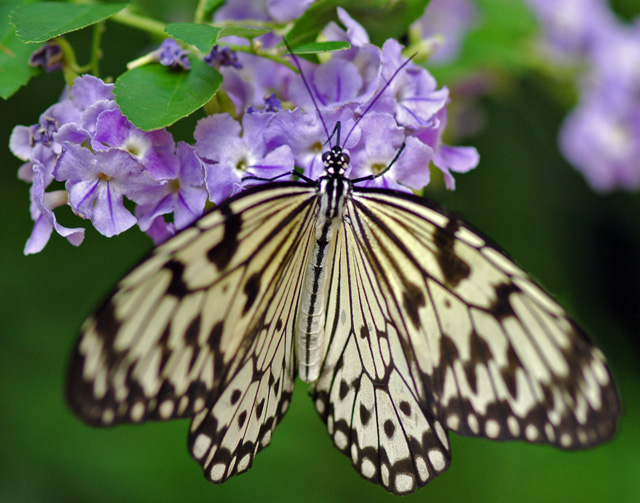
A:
(376, 175)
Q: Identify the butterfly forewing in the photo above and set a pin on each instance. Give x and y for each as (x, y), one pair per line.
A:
(444, 326)
(196, 313)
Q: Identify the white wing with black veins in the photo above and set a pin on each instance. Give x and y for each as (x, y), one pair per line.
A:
(434, 329)
(204, 328)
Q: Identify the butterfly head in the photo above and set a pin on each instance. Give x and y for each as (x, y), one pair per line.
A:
(335, 161)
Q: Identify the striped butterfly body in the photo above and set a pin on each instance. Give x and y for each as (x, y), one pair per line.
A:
(407, 321)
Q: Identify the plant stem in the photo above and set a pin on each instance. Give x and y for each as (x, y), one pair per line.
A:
(96, 52)
(127, 18)
(262, 54)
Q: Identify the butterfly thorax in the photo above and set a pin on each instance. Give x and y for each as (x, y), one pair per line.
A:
(333, 189)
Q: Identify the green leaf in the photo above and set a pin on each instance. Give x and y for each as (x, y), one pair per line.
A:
(15, 70)
(382, 19)
(317, 47)
(201, 36)
(42, 21)
(243, 31)
(204, 37)
(154, 96)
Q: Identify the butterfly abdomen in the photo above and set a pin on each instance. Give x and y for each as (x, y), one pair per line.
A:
(310, 341)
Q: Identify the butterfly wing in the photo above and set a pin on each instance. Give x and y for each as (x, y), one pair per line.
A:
(435, 329)
(204, 327)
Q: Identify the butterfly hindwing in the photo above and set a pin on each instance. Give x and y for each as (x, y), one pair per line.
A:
(225, 437)
(205, 317)
(445, 326)
(374, 408)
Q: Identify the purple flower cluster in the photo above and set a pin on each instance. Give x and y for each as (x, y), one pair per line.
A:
(85, 143)
(601, 135)
(447, 22)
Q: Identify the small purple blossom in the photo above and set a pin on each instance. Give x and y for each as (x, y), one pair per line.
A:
(601, 136)
(336, 82)
(447, 158)
(572, 28)
(304, 133)
(184, 196)
(412, 96)
(604, 144)
(49, 57)
(271, 105)
(171, 54)
(262, 10)
(450, 21)
(380, 142)
(153, 149)
(222, 56)
(42, 206)
(98, 181)
(232, 152)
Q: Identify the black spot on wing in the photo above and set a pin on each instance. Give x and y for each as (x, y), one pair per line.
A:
(106, 322)
(177, 286)
(344, 389)
(215, 337)
(251, 289)
(365, 415)
(389, 428)
(412, 300)
(479, 353)
(501, 307)
(221, 254)
(192, 332)
(454, 269)
(260, 408)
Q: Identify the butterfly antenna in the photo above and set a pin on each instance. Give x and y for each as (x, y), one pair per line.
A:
(398, 70)
(306, 84)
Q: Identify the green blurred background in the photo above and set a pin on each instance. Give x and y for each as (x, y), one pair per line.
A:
(582, 246)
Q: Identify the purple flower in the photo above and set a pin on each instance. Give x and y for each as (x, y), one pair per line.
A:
(184, 196)
(49, 57)
(336, 82)
(286, 10)
(571, 28)
(450, 20)
(153, 149)
(86, 142)
(263, 10)
(232, 152)
(614, 74)
(304, 133)
(364, 55)
(603, 143)
(222, 56)
(42, 205)
(98, 181)
(601, 136)
(170, 53)
(380, 141)
(447, 158)
(355, 34)
(271, 105)
(412, 96)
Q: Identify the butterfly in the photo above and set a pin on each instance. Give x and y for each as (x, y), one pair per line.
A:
(407, 322)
